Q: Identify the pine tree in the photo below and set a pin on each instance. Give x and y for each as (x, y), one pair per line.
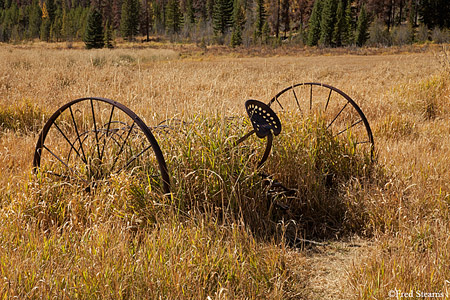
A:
(48, 17)
(347, 38)
(35, 19)
(340, 27)
(10, 18)
(285, 19)
(327, 22)
(57, 25)
(93, 35)
(236, 36)
(108, 38)
(173, 18)
(411, 26)
(274, 16)
(116, 13)
(210, 9)
(158, 15)
(106, 10)
(265, 33)
(238, 21)
(260, 19)
(65, 26)
(362, 27)
(130, 19)
(435, 13)
(190, 12)
(79, 21)
(51, 10)
(45, 29)
(314, 24)
(222, 16)
(56, 29)
(411, 34)
(238, 18)
(146, 16)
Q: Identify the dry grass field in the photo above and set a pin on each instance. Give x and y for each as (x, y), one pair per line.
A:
(383, 227)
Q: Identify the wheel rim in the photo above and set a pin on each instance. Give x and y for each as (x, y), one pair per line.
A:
(340, 112)
(89, 139)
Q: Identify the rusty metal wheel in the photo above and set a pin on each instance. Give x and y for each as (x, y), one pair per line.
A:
(89, 139)
(342, 116)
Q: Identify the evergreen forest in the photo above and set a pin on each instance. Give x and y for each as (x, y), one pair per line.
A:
(324, 23)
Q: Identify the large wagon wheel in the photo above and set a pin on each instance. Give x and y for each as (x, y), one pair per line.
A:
(342, 115)
(88, 139)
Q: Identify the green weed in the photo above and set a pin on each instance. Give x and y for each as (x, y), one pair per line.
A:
(212, 175)
(23, 117)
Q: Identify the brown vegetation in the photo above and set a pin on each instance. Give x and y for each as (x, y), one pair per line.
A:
(224, 243)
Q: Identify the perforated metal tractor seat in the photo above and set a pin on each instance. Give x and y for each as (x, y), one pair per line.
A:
(263, 118)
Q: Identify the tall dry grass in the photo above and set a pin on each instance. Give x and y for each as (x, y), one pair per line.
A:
(413, 251)
(219, 235)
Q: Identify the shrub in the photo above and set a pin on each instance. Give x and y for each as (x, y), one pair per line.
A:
(402, 35)
(440, 36)
(422, 33)
(378, 35)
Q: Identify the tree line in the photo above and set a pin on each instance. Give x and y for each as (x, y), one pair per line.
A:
(328, 23)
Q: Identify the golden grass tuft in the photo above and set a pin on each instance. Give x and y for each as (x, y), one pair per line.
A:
(22, 117)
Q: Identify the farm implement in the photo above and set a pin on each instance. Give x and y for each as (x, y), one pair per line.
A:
(89, 139)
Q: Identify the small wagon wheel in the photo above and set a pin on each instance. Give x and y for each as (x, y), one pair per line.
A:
(340, 112)
(88, 139)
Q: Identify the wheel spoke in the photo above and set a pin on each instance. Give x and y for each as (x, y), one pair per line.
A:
(121, 148)
(134, 158)
(342, 131)
(125, 137)
(107, 131)
(78, 135)
(70, 143)
(296, 100)
(333, 105)
(338, 115)
(67, 177)
(328, 100)
(95, 129)
(117, 140)
(61, 161)
(279, 103)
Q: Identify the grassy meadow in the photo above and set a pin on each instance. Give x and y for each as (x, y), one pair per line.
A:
(381, 226)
